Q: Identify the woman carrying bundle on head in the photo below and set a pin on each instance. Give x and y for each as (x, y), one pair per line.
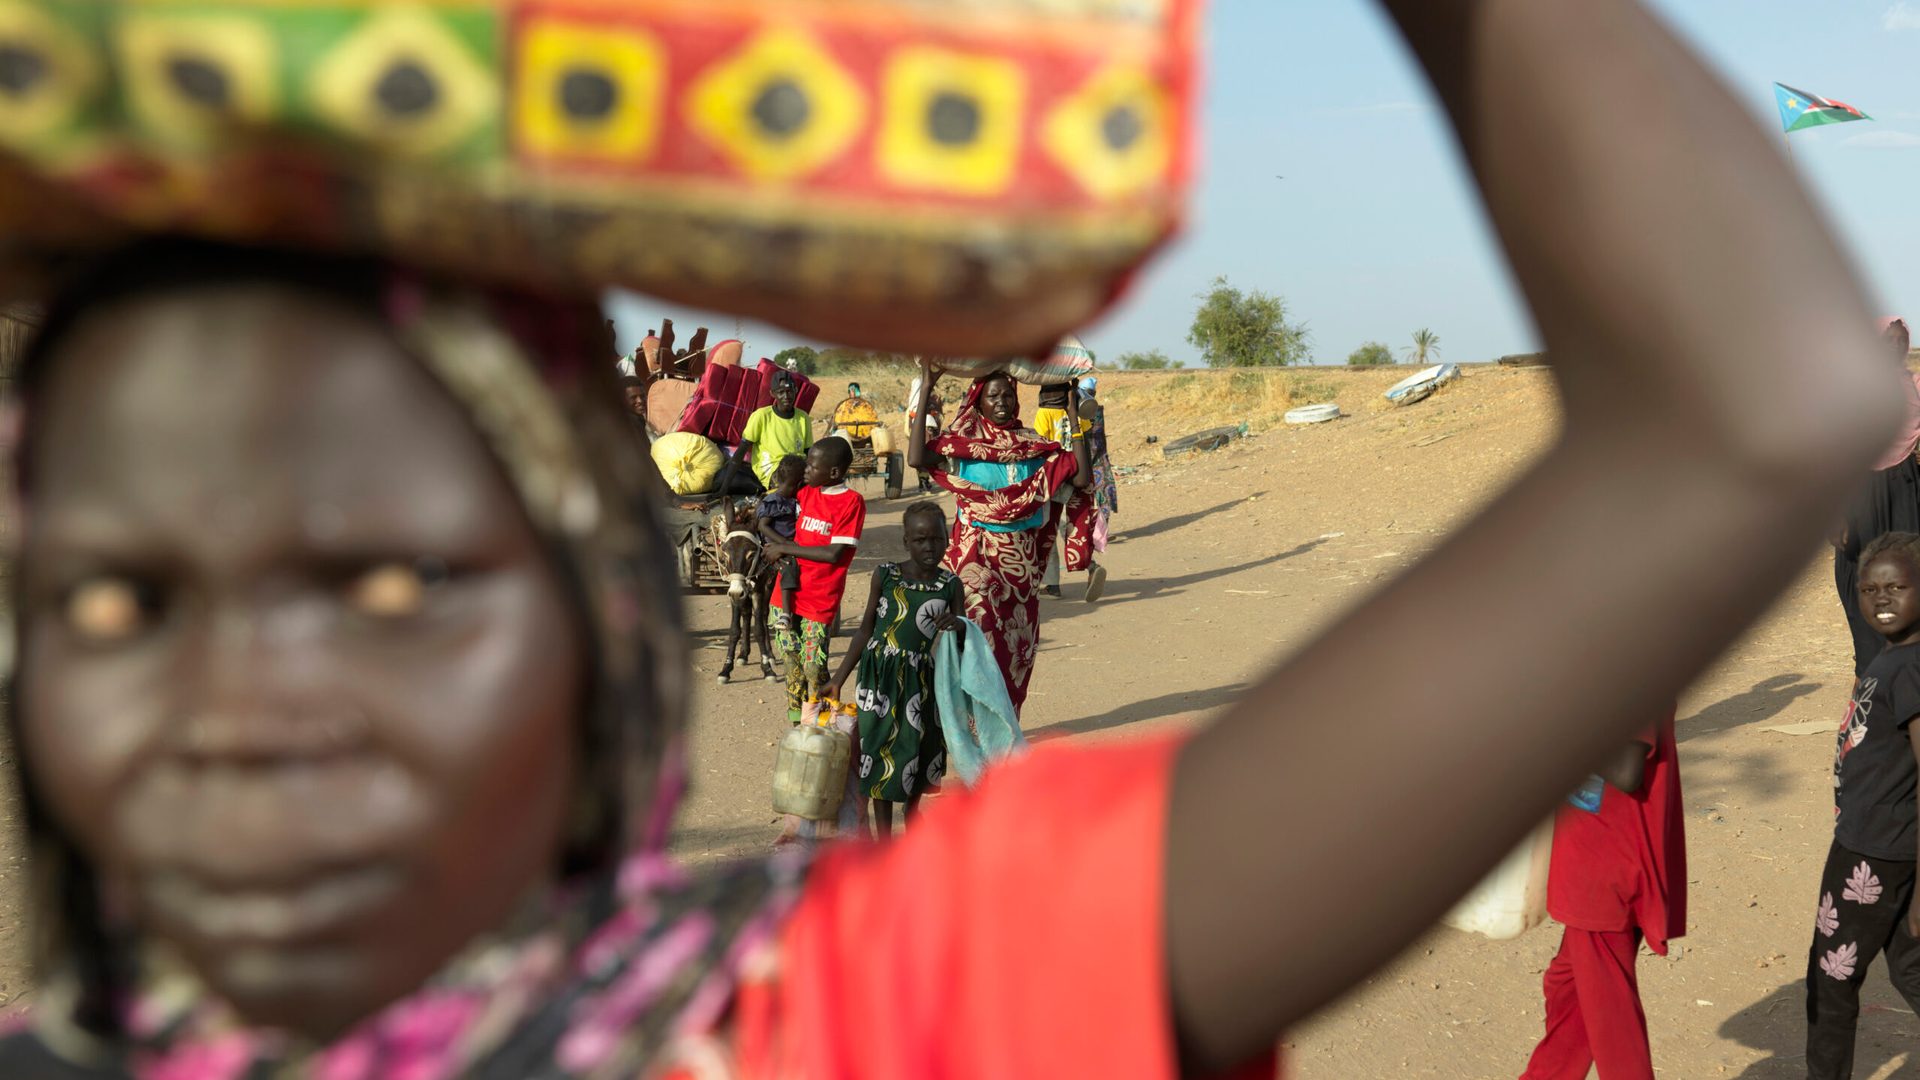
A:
(1105, 495)
(1050, 419)
(352, 680)
(1006, 477)
(1888, 502)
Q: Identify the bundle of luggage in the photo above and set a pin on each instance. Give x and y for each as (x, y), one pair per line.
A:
(728, 393)
(1069, 361)
(707, 391)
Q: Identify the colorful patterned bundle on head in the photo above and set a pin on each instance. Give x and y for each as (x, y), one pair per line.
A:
(967, 176)
(1069, 360)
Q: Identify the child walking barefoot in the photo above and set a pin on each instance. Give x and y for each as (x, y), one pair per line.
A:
(1867, 899)
(1619, 875)
(902, 752)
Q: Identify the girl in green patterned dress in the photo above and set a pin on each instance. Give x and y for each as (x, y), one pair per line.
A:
(902, 752)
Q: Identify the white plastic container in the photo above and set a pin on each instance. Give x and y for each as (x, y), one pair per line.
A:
(810, 772)
(1513, 899)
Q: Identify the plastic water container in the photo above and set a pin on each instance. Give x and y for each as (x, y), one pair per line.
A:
(1513, 899)
(810, 772)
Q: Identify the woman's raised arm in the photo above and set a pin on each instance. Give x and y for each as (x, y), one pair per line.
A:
(918, 456)
(1723, 387)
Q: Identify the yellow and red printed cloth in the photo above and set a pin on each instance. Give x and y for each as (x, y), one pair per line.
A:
(967, 176)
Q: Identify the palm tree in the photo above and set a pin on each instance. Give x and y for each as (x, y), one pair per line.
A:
(1426, 344)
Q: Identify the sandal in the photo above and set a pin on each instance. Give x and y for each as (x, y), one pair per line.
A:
(1096, 582)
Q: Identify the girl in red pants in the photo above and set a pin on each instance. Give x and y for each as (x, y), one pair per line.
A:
(1619, 874)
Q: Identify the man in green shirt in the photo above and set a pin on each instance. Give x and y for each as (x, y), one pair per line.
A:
(772, 433)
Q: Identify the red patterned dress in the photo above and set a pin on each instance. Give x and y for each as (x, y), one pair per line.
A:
(1006, 480)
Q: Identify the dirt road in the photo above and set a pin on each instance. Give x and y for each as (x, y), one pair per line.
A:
(1228, 561)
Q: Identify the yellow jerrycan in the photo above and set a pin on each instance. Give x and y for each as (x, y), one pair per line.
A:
(810, 768)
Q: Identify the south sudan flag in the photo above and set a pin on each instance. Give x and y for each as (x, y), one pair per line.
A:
(1800, 110)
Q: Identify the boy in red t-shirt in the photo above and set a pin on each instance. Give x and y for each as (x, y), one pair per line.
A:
(1619, 874)
(831, 518)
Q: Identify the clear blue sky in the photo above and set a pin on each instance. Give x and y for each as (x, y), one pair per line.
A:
(1374, 233)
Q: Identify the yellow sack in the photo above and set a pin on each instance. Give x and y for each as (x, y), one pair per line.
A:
(690, 463)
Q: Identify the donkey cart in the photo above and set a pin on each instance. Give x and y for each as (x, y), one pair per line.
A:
(718, 554)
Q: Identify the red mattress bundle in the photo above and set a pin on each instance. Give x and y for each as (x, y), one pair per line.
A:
(729, 393)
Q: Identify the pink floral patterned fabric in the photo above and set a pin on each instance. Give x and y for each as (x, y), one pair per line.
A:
(651, 985)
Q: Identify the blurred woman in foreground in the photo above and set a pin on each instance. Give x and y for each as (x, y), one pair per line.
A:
(352, 678)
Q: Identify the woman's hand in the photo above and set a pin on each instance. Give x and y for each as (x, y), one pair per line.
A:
(946, 621)
(918, 456)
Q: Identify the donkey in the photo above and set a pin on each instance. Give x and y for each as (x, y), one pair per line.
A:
(750, 579)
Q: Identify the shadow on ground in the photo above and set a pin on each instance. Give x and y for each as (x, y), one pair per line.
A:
(1776, 1025)
(1768, 699)
(1760, 767)
(1181, 521)
(1159, 708)
(1128, 590)
(723, 842)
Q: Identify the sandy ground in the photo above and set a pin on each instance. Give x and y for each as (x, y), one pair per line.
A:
(1226, 562)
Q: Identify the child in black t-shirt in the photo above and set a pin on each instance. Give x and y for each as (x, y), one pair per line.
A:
(1867, 901)
(778, 517)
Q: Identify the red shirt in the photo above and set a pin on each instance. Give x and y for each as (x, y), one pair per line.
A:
(908, 960)
(1625, 867)
(828, 516)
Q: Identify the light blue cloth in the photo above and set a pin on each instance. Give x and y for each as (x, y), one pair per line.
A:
(993, 476)
(1588, 795)
(976, 713)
